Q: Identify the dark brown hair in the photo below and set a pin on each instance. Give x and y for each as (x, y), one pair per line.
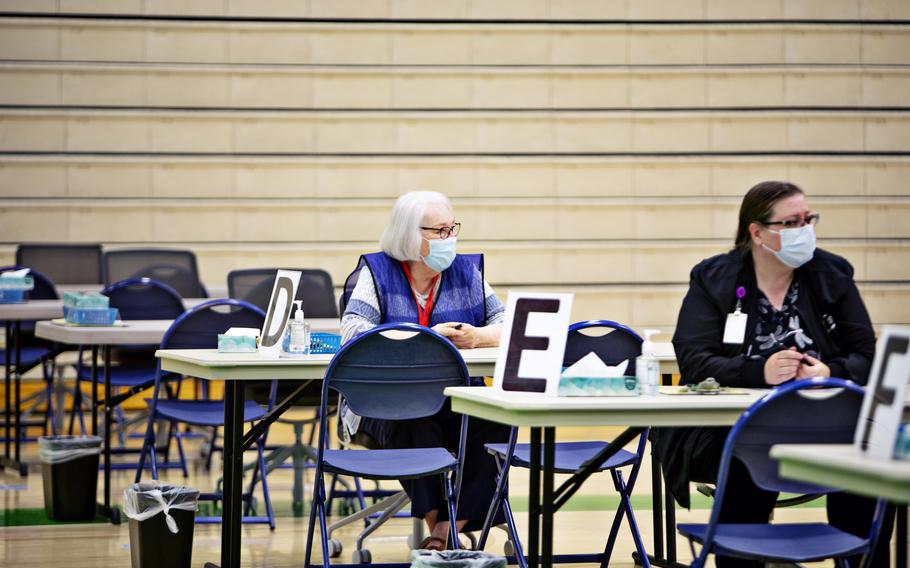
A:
(757, 205)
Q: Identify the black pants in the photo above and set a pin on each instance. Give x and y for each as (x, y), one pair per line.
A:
(745, 502)
(442, 430)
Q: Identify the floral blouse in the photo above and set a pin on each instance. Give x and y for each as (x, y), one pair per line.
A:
(779, 329)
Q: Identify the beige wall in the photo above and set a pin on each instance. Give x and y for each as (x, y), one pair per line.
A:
(605, 158)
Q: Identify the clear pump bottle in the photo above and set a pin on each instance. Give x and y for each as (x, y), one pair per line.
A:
(298, 332)
(647, 367)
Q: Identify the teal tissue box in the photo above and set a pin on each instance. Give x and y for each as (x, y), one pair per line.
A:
(598, 386)
(236, 343)
(17, 283)
(91, 300)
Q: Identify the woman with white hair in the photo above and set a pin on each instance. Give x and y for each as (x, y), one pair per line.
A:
(419, 278)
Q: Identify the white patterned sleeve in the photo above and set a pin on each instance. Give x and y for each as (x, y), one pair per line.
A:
(362, 311)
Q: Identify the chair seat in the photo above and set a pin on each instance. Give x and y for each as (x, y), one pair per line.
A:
(390, 464)
(203, 412)
(28, 356)
(124, 376)
(570, 456)
(793, 542)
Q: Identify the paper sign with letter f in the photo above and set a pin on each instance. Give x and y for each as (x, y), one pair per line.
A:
(533, 342)
(883, 404)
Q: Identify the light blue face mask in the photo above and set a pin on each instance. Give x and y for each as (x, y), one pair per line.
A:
(797, 246)
(441, 255)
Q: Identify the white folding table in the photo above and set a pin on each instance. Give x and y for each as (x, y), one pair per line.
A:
(540, 412)
(237, 368)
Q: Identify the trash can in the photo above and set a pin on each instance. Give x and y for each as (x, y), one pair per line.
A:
(455, 559)
(162, 518)
(69, 466)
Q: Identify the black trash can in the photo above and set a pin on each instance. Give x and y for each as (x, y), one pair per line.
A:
(69, 466)
(455, 559)
(162, 517)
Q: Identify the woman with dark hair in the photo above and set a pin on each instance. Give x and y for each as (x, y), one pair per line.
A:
(773, 309)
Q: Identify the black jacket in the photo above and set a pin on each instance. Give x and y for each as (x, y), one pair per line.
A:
(831, 313)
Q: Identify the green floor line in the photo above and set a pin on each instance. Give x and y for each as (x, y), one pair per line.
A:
(31, 517)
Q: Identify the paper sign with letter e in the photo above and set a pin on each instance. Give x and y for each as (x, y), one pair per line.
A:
(883, 404)
(533, 342)
(276, 319)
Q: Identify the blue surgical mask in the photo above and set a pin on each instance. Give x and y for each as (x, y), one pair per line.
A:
(441, 255)
(797, 246)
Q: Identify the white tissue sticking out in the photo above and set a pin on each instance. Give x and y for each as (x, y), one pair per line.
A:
(243, 331)
(592, 366)
(22, 272)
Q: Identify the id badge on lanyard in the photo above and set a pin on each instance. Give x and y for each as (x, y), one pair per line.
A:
(735, 328)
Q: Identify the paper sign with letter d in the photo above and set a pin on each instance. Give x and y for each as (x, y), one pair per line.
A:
(533, 342)
(276, 320)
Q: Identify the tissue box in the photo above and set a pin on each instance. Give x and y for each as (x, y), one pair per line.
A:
(598, 386)
(90, 300)
(17, 282)
(13, 288)
(236, 343)
(93, 300)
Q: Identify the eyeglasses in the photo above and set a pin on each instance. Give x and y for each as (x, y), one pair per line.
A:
(795, 223)
(445, 232)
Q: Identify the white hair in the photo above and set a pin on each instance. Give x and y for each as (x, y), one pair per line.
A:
(401, 238)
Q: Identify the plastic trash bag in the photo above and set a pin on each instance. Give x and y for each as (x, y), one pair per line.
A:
(455, 559)
(62, 449)
(144, 500)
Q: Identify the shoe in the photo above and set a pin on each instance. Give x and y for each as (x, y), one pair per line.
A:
(432, 543)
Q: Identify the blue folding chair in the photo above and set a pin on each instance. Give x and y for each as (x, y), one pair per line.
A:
(387, 375)
(198, 328)
(615, 344)
(795, 413)
(33, 351)
(136, 299)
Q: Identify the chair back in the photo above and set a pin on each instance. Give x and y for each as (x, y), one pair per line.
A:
(351, 281)
(198, 328)
(144, 299)
(390, 375)
(613, 342)
(174, 267)
(63, 263)
(793, 414)
(315, 290)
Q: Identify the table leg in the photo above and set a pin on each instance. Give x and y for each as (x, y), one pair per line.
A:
(670, 510)
(534, 501)
(900, 545)
(8, 411)
(17, 400)
(549, 457)
(94, 390)
(232, 475)
(657, 505)
(107, 427)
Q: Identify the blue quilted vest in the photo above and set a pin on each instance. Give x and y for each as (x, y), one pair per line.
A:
(460, 297)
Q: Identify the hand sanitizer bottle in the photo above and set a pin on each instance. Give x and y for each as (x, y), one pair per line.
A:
(299, 332)
(647, 367)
